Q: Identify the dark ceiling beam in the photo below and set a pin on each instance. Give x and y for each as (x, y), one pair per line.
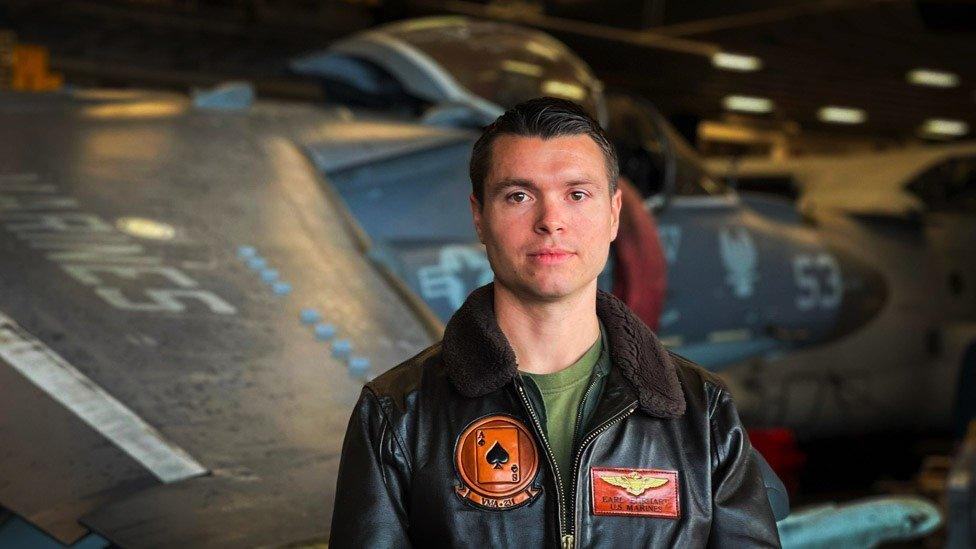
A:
(327, 17)
(772, 15)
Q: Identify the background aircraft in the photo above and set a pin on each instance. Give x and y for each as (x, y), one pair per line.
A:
(912, 215)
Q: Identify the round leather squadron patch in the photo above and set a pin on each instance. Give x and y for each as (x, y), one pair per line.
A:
(497, 460)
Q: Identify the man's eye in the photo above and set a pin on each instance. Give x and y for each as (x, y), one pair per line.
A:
(577, 195)
(518, 197)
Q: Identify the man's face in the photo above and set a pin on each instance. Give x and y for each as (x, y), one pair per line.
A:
(548, 217)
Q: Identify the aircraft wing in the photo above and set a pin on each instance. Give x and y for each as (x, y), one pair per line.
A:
(158, 385)
(860, 185)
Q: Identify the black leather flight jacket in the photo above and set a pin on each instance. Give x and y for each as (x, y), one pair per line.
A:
(398, 482)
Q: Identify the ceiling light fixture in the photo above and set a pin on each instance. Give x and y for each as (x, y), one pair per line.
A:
(933, 78)
(943, 127)
(736, 62)
(841, 115)
(745, 103)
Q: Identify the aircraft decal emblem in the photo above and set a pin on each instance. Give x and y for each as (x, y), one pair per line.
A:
(819, 279)
(669, 317)
(459, 270)
(87, 247)
(670, 241)
(739, 257)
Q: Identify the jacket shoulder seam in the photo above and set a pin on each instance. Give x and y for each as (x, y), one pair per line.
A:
(388, 425)
(707, 377)
(713, 390)
(720, 393)
(411, 368)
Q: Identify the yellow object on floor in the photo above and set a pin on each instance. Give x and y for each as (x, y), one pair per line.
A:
(24, 67)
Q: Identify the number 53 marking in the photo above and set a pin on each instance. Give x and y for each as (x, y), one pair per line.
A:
(819, 280)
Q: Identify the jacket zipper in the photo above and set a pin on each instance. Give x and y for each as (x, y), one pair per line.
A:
(560, 496)
(569, 538)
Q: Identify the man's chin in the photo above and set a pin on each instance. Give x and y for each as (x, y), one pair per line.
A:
(548, 295)
(547, 291)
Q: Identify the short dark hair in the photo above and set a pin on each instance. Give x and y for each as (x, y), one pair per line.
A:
(544, 117)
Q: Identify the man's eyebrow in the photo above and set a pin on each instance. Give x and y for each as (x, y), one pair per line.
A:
(513, 182)
(580, 183)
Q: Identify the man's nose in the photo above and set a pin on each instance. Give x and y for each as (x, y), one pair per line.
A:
(550, 218)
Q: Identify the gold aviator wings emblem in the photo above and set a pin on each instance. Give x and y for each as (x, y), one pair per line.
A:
(634, 483)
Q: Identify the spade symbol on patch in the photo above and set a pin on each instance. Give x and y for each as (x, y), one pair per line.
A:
(497, 455)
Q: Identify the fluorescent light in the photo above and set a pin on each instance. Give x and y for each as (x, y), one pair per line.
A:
(929, 77)
(842, 115)
(736, 62)
(745, 103)
(559, 88)
(945, 127)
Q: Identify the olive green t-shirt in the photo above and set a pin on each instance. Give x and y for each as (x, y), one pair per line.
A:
(562, 394)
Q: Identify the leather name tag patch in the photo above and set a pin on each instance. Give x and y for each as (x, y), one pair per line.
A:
(635, 492)
(497, 461)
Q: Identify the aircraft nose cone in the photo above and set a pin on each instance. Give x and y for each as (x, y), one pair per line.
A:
(864, 294)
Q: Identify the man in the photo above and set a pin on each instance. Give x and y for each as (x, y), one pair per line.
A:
(549, 415)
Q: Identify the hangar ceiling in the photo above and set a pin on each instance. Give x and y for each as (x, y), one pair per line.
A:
(854, 54)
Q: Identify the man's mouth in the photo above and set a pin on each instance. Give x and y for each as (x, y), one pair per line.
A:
(550, 256)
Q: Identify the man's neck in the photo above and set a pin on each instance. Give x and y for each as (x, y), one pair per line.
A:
(547, 336)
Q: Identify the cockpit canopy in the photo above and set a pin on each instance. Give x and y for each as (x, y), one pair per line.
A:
(464, 73)
(455, 63)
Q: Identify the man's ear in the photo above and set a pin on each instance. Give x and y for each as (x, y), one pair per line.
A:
(615, 204)
(476, 215)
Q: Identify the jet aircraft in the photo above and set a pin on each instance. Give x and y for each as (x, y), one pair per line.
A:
(185, 321)
(911, 214)
(743, 280)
